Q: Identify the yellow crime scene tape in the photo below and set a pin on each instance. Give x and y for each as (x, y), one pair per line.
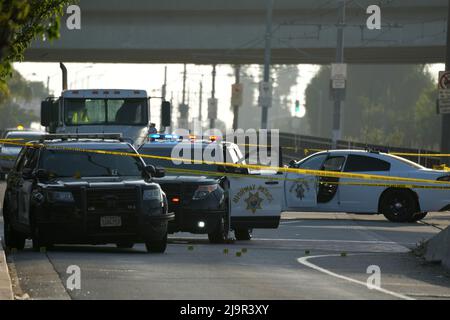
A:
(317, 173)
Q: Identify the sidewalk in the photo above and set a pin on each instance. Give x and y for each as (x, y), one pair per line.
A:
(6, 292)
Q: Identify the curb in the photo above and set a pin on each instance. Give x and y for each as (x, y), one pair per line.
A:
(6, 292)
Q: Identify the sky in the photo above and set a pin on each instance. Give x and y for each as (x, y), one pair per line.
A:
(150, 77)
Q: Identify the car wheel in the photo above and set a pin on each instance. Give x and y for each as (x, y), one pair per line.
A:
(13, 239)
(125, 245)
(220, 234)
(38, 242)
(398, 205)
(418, 216)
(157, 246)
(243, 234)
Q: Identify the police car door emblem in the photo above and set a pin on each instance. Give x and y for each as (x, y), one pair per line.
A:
(253, 202)
(300, 188)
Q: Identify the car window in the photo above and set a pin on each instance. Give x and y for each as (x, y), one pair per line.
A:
(356, 163)
(313, 163)
(20, 160)
(333, 163)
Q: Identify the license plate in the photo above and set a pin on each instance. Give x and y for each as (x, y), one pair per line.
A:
(110, 221)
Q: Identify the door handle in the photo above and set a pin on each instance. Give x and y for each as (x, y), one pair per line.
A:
(271, 182)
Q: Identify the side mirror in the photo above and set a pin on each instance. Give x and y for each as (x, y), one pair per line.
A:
(46, 113)
(41, 174)
(156, 172)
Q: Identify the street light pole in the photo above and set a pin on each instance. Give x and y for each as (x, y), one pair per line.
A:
(267, 59)
(338, 92)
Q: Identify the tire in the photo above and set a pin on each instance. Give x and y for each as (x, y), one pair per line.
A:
(398, 205)
(220, 234)
(418, 216)
(243, 234)
(38, 242)
(13, 239)
(125, 245)
(157, 246)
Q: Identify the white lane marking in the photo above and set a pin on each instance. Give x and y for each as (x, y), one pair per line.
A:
(331, 240)
(304, 261)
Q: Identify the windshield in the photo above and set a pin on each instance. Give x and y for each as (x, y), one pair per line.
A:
(130, 111)
(169, 164)
(65, 164)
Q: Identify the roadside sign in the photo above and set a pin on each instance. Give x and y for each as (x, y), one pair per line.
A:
(444, 80)
(237, 94)
(265, 94)
(338, 83)
(212, 108)
(444, 92)
(338, 71)
(444, 101)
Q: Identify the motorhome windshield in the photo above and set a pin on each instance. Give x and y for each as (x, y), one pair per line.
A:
(87, 111)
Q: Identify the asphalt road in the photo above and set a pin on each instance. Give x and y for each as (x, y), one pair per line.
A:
(310, 256)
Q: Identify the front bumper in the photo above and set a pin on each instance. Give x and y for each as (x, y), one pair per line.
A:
(80, 222)
(187, 220)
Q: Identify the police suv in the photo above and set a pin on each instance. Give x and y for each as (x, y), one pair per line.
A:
(210, 198)
(84, 189)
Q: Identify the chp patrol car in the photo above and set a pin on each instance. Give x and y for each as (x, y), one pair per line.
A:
(73, 189)
(398, 201)
(211, 198)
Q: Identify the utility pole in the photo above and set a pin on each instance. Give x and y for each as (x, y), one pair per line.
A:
(237, 75)
(200, 98)
(267, 58)
(164, 92)
(183, 100)
(338, 93)
(164, 86)
(445, 131)
(212, 118)
(183, 108)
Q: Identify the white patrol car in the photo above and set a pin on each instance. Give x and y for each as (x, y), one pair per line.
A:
(398, 204)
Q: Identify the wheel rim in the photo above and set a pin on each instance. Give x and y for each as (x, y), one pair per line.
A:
(399, 206)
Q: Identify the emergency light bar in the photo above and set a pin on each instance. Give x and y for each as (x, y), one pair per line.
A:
(78, 136)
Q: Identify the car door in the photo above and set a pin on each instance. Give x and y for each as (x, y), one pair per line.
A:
(362, 198)
(255, 198)
(328, 189)
(300, 190)
(25, 185)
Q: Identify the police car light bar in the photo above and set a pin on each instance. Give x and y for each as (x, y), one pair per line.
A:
(158, 136)
(78, 136)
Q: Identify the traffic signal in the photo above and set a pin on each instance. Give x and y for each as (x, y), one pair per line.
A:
(297, 105)
(165, 114)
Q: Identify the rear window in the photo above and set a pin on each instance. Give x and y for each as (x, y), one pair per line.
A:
(363, 164)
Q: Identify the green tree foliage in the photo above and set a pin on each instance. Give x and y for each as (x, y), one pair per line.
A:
(284, 77)
(21, 91)
(21, 21)
(392, 105)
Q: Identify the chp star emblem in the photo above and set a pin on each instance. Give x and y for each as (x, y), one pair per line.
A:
(253, 202)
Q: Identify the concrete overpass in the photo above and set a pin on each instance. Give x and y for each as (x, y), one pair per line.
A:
(224, 31)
